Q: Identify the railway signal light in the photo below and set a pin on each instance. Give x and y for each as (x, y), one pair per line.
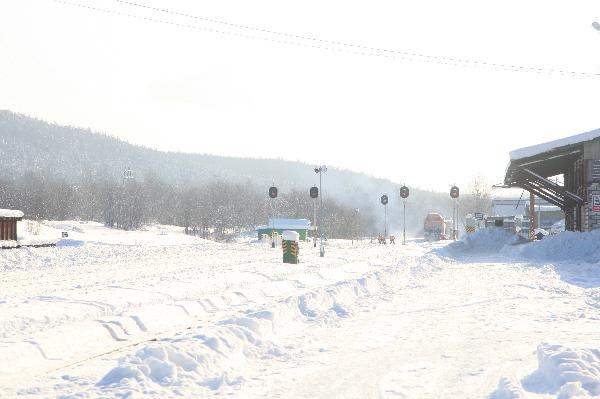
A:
(404, 192)
(273, 192)
(454, 192)
(314, 192)
(384, 199)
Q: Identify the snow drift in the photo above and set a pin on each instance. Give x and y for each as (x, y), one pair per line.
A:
(566, 246)
(216, 355)
(562, 372)
(483, 241)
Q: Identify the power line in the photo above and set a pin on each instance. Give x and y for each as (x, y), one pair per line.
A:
(325, 44)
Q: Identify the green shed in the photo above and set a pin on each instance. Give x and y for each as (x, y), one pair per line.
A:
(300, 226)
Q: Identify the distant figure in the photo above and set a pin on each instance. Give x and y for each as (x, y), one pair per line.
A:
(381, 239)
(392, 238)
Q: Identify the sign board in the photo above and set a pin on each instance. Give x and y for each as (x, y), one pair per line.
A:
(595, 203)
(478, 215)
(65, 234)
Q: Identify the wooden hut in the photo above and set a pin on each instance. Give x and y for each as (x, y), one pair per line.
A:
(8, 224)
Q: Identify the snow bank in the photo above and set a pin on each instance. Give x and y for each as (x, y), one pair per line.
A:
(508, 389)
(562, 372)
(8, 244)
(483, 241)
(566, 246)
(216, 355)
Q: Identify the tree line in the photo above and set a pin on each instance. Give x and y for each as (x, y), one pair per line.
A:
(217, 208)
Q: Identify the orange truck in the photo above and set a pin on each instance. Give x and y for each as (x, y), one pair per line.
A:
(435, 227)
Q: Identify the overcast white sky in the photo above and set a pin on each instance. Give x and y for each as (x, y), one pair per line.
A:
(429, 125)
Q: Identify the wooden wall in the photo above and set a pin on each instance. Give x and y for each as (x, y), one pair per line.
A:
(8, 230)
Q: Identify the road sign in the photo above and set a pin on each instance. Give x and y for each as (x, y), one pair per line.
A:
(273, 192)
(595, 203)
(478, 215)
(384, 199)
(404, 192)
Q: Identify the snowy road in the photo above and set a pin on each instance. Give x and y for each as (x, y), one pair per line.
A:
(456, 332)
(169, 315)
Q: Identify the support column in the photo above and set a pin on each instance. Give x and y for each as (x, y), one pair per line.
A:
(532, 219)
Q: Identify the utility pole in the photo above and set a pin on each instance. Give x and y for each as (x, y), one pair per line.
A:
(320, 170)
(532, 221)
(314, 194)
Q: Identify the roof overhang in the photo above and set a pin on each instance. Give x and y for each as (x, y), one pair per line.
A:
(547, 164)
(531, 173)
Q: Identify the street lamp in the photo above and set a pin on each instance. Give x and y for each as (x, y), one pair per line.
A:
(320, 170)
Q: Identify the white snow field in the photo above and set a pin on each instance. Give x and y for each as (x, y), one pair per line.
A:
(157, 314)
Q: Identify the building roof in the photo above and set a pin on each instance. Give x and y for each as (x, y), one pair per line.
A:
(286, 224)
(538, 149)
(10, 213)
(531, 167)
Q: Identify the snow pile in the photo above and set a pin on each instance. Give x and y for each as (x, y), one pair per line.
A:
(566, 373)
(483, 241)
(290, 235)
(216, 355)
(8, 244)
(508, 389)
(209, 359)
(566, 246)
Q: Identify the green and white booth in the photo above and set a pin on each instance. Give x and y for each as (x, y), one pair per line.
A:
(300, 226)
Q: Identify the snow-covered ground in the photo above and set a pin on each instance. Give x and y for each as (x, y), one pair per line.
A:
(159, 314)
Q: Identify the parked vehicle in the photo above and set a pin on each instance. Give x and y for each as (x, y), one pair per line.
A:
(435, 227)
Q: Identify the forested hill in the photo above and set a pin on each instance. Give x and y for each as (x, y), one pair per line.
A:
(31, 145)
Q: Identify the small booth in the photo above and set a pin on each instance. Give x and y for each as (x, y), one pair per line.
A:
(8, 224)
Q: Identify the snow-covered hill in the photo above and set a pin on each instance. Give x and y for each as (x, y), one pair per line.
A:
(31, 146)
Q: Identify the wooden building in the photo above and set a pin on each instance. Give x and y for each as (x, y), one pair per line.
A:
(564, 172)
(8, 224)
